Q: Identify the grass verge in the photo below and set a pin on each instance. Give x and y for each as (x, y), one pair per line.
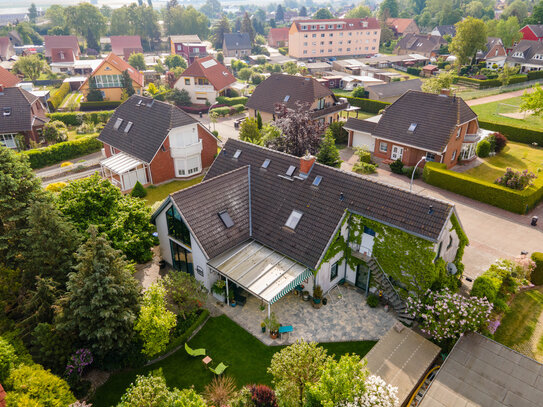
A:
(489, 112)
(160, 192)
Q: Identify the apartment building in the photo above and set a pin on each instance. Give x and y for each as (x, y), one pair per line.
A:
(334, 38)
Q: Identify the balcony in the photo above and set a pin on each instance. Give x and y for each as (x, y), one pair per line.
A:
(472, 138)
(183, 152)
(336, 107)
(204, 88)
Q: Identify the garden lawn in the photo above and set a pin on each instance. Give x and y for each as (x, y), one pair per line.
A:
(361, 115)
(515, 155)
(518, 325)
(488, 112)
(158, 193)
(225, 341)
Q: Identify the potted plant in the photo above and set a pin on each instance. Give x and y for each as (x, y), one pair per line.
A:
(273, 325)
(317, 296)
(263, 327)
(324, 301)
(262, 307)
(219, 290)
(305, 295)
(232, 298)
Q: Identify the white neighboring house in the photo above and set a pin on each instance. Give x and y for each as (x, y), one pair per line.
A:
(205, 79)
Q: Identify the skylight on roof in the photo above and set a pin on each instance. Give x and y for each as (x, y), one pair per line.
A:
(317, 181)
(128, 127)
(293, 219)
(291, 170)
(412, 127)
(226, 219)
(118, 123)
(286, 99)
(209, 64)
(266, 163)
(237, 153)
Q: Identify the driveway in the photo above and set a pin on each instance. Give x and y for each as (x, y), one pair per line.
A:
(493, 232)
(224, 125)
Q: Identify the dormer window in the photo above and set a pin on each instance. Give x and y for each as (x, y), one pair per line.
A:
(118, 123)
(7, 111)
(286, 98)
(293, 219)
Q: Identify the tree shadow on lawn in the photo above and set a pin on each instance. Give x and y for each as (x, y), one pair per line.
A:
(246, 357)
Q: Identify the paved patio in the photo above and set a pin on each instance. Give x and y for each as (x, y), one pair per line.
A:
(345, 318)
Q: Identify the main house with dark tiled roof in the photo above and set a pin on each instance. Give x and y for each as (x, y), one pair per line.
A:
(292, 90)
(154, 142)
(527, 55)
(236, 45)
(269, 222)
(423, 44)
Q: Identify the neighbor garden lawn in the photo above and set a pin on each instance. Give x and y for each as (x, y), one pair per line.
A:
(518, 325)
(489, 112)
(159, 193)
(225, 341)
(515, 155)
(361, 115)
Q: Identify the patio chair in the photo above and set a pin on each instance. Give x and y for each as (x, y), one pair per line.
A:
(285, 330)
(194, 352)
(219, 370)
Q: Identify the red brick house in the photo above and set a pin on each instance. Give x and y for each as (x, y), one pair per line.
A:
(278, 37)
(61, 48)
(189, 47)
(402, 26)
(441, 128)
(126, 45)
(154, 142)
(532, 32)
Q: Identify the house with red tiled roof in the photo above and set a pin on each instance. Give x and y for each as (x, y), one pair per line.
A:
(61, 48)
(278, 37)
(6, 49)
(205, 79)
(402, 26)
(126, 45)
(7, 79)
(2, 397)
(108, 78)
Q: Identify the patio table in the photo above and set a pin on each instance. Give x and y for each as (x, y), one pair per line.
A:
(207, 360)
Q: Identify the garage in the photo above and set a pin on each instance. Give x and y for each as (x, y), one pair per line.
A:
(360, 133)
(361, 139)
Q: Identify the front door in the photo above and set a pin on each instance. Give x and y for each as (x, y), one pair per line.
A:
(181, 258)
(397, 153)
(362, 277)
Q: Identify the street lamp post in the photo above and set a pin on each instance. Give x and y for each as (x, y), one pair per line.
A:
(413, 175)
(209, 114)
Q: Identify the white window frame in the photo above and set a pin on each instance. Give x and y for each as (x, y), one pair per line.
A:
(8, 140)
(383, 147)
(453, 155)
(182, 169)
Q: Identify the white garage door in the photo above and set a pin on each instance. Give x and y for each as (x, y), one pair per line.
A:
(363, 139)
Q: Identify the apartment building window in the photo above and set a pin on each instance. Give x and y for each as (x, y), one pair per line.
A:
(313, 43)
(373, 48)
(350, 33)
(330, 26)
(374, 40)
(322, 27)
(341, 34)
(322, 35)
(305, 44)
(330, 50)
(341, 43)
(348, 42)
(340, 26)
(348, 49)
(367, 41)
(313, 27)
(322, 42)
(340, 49)
(367, 48)
(367, 33)
(330, 42)
(314, 36)
(305, 51)
(305, 35)
(331, 35)
(304, 27)
(313, 51)
(322, 51)
(375, 32)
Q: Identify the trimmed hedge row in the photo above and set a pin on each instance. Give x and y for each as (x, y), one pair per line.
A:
(534, 75)
(240, 100)
(537, 274)
(513, 133)
(99, 105)
(76, 118)
(366, 105)
(54, 101)
(492, 83)
(509, 199)
(226, 110)
(43, 157)
(414, 71)
(175, 342)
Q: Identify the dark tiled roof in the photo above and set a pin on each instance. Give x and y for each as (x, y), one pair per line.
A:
(436, 117)
(537, 29)
(21, 117)
(200, 206)
(152, 121)
(395, 88)
(421, 43)
(211, 69)
(273, 198)
(446, 30)
(529, 49)
(359, 125)
(234, 41)
(277, 87)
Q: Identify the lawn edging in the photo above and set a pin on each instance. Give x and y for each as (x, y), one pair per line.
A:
(521, 202)
(176, 343)
(513, 133)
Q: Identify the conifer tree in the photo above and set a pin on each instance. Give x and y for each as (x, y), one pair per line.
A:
(329, 154)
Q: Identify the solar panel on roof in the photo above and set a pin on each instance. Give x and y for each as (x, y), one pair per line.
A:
(266, 163)
(291, 170)
(317, 181)
(226, 219)
(209, 64)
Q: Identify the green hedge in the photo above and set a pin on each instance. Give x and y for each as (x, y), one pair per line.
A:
(414, 71)
(491, 83)
(76, 118)
(56, 99)
(534, 75)
(42, 157)
(509, 199)
(175, 342)
(520, 134)
(240, 100)
(366, 105)
(99, 105)
(537, 274)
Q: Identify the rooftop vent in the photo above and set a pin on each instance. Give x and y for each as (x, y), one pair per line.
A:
(128, 127)
(151, 104)
(266, 163)
(7, 111)
(291, 170)
(293, 219)
(118, 123)
(341, 197)
(317, 181)
(412, 127)
(226, 219)
(237, 153)
(430, 210)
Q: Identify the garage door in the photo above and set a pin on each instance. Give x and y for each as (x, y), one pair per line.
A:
(363, 139)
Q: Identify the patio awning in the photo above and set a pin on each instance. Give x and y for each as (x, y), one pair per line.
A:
(121, 163)
(263, 272)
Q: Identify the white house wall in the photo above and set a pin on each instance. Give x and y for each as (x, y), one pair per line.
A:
(199, 259)
(162, 230)
(323, 276)
(448, 254)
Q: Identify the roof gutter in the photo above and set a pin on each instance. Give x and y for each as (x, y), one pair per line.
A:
(250, 205)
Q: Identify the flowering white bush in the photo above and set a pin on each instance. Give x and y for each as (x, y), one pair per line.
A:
(377, 394)
(446, 315)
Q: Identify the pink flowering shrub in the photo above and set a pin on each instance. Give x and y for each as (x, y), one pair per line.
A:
(445, 315)
(516, 179)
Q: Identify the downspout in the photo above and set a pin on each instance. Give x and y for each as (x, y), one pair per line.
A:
(346, 255)
(250, 209)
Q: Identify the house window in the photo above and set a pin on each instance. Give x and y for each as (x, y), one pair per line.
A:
(178, 47)
(181, 258)
(322, 35)
(187, 81)
(199, 271)
(8, 140)
(305, 35)
(453, 155)
(108, 81)
(185, 167)
(176, 227)
(383, 147)
(305, 51)
(438, 254)
(459, 132)
(314, 36)
(430, 157)
(112, 150)
(334, 271)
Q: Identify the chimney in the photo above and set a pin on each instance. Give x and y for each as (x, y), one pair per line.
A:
(445, 92)
(306, 162)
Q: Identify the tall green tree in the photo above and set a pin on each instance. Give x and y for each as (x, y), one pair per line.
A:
(87, 21)
(37, 306)
(211, 8)
(185, 20)
(51, 348)
(328, 153)
(323, 14)
(137, 60)
(517, 8)
(102, 298)
(249, 130)
(470, 38)
(360, 11)
(303, 12)
(509, 31)
(536, 17)
(95, 94)
(56, 16)
(389, 8)
(31, 66)
(418, 6)
(247, 27)
(128, 86)
(279, 13)
(32, 13)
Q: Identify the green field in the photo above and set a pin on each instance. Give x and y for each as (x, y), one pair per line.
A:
(489, 112)
(225, 341)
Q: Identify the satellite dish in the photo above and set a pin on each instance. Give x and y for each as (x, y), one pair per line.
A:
(451, 269)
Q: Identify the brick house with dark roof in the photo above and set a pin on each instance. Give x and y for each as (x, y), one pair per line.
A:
(236, 45)
(189, 47)
(126, 45)
(423, 44)
(278, 37)
(402, 26)
(292, 90)
(154, 142)
(20, 113)
(441, 128)
(267, 222)
(61, 48)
